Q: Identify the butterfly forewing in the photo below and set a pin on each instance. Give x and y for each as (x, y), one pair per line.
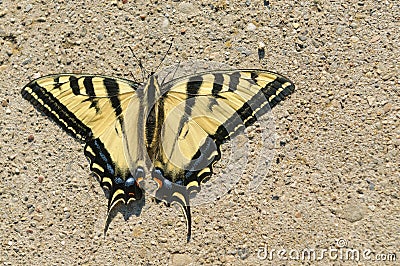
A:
(212, 106)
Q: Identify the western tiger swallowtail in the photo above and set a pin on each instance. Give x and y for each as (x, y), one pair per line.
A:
(173, 130)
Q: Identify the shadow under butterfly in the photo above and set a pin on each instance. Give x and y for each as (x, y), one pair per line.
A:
(162, 138)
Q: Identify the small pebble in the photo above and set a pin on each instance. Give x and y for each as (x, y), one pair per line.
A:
(143, 16)
(100, 36)
(353, 25)
(251, 27)
(339, 29)
(181, 260)
(17, 172)
(387, 107)
(28, 8)
(243, 253)
(187, 8)
(3, 12)
(369, 74)
(244, 51)
(183, 31)
(41, 19)
(27, 61)
(40, 178)
(375, 38)
(31, 138)
(371, 100)
(248, 2)
(299, 46)
(38, 217)
(352, 213)
(296, 25)
(36, 75)
(8, 111)
(387, 77)
(354, 39)
(165, 23)
(302, 38)
(371, 186)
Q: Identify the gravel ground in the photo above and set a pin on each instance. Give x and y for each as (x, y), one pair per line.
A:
(334, 182)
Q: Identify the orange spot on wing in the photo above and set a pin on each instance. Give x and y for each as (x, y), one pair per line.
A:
(159, 182)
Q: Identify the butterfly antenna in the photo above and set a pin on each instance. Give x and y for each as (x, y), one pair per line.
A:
(176, 69)
(173, 74)
(162, 60)
(144, 72)
(133, 77)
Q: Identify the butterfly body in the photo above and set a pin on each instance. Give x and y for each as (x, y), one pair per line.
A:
(169, 133)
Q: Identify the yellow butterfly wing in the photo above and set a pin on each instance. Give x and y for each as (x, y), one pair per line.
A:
(91, 108)
(200, 112)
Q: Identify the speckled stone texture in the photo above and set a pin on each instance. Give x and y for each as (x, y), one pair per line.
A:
(335, 179)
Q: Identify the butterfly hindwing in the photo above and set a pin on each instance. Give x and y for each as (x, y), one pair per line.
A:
(90, 109)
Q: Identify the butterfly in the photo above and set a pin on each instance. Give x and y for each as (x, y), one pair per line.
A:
(169, 133)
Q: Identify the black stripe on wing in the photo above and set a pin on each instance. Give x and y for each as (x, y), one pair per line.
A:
(44, 101)
(113, 175)
(268, 97)
(121, 183)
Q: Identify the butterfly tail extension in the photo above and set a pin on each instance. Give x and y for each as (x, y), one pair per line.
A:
(122, 186)
(173, 193)
(123, 192)
(188, 217)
